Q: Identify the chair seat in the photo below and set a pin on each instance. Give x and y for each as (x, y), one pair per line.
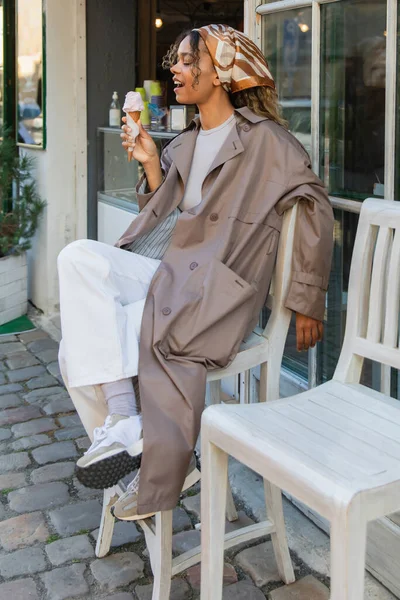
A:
(252, 352)
(336, 438)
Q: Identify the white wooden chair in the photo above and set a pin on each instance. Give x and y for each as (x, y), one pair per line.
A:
(336, 447)
(264, 348)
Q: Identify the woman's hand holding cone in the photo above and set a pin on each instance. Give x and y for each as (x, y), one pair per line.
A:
(143, 148)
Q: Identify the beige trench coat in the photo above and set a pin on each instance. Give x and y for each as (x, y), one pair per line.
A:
(207, 293)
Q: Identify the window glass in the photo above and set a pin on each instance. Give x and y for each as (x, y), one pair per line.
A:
(353, 77)
(286, 43)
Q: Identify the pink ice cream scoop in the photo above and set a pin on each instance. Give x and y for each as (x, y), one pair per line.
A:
(133, 106)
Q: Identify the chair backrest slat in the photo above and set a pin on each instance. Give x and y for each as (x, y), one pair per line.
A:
(372, 329)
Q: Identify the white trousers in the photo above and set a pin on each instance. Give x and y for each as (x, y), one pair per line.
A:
(102, 296)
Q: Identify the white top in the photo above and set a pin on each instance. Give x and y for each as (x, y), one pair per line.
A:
(208, 144)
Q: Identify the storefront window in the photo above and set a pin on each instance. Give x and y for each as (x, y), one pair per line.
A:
(287, 47)
(353, 63)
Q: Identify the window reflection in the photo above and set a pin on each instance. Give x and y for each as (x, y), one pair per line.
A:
(29, 70)
(353, 68)
(287, 47)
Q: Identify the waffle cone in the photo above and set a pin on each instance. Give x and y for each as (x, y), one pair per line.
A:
(135, 115)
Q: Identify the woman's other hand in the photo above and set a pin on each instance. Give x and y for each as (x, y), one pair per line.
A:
(308, 332)
(143, 148)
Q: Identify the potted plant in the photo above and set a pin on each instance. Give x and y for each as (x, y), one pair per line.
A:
(20, 209)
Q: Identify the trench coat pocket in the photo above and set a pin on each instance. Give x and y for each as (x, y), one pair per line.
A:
(205, 325)
(272, 219)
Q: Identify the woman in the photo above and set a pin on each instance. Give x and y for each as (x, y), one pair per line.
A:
(191, 274)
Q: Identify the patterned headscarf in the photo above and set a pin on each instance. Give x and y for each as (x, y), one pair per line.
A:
(239, 63)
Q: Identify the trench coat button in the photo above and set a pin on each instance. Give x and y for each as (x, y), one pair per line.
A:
(166, 310)
(193, 265)
(214, 217)
(246, 127)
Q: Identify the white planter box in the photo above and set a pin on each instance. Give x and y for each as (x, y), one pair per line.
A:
(13, 287)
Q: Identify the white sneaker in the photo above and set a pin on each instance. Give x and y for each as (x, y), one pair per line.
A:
(115, 452)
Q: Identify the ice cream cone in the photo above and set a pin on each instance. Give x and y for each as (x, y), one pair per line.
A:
(135, 116)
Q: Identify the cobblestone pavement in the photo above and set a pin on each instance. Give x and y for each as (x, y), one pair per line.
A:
(48, 521)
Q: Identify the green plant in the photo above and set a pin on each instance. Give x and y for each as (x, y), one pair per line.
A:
(52, 538)
(7, 491)
(20, 204)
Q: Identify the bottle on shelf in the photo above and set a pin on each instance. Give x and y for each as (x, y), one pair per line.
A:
(115, 112)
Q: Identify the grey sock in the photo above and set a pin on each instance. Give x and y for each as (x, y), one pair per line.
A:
(121, 398)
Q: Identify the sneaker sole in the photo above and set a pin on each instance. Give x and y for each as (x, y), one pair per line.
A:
(105, 473)
(134, 450)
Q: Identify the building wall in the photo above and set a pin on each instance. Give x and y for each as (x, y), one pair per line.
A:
(61, 169)
(111, 65)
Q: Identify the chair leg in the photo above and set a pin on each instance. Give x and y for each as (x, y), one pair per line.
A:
(269, 382)
(213, 505)
(273, 501)
(348, 548)
(161, 559)
(231, 513)
(106, 523)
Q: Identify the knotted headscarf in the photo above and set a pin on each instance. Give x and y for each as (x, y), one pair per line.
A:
(239, 63)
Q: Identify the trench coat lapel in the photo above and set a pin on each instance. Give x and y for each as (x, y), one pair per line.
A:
(231, 147)
(181, 152)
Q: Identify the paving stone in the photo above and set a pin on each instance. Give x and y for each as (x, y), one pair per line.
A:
(22, 562)
(19, 415)
(65, 582)
(42, 344)
(2, 378)
(20, 360)
(194, 575)
(179, 590)
(8, 338)
(121, 596)
(5, 434)
(181, 520)
(2, 366)
(54, 368)
(192, 505)
(41, 382)
(12, 481)
(76, 517)
(58, 405)
(117, 570)
(48, 356)
(242, 521)
(70, 433)
(243, 591)
(30, 442)
(186, 540)
(33, 427)
(35, 334)
(37, 395)
(125, 532)
(10, 348)
(63, 551)
(21, 589)
(70, 421)
(22, 531)
(14, 462)
(61, 470)
(10, 401)
(40, 496)
(83, 443)
(24, 374)
(84, 492)
(54, 452)
(308, 588)
(9, 388)
(259, 562)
